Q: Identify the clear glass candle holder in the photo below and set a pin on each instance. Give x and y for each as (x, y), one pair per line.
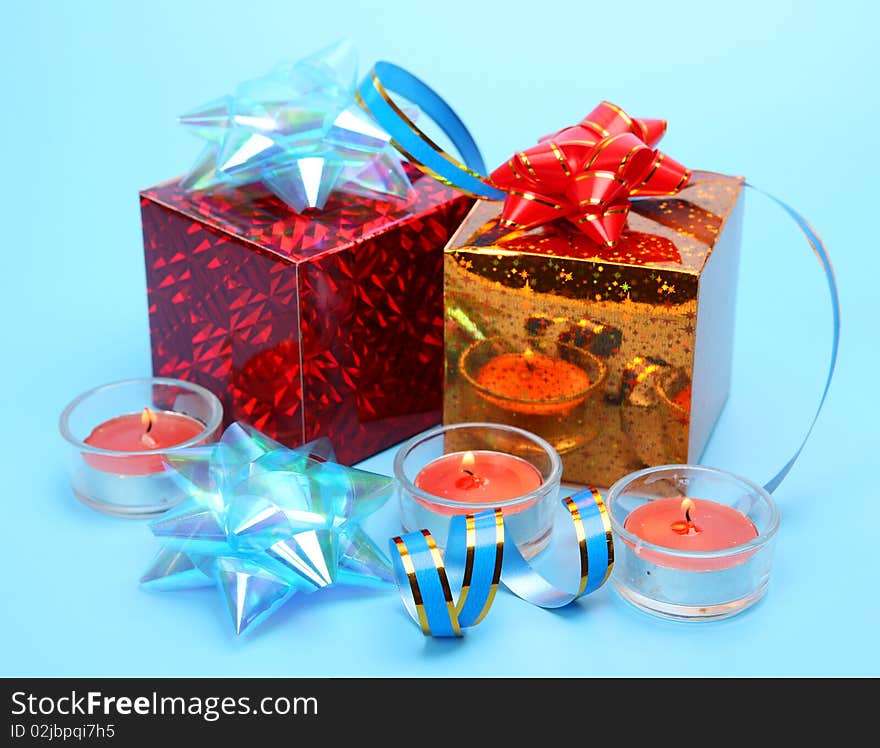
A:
(691, 585)
(528, 518)
(133, 483)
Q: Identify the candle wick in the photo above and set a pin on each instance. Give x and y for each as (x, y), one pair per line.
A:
(147, 421)
(469, 472)
(687, 527)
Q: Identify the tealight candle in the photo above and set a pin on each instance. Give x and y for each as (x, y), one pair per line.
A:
(137, 432)
(478, 476)
(466, 468)
(687, 524)
(691, 542)
(555, 391)
(120, 435)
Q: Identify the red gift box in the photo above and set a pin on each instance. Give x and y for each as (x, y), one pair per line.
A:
(328, 323)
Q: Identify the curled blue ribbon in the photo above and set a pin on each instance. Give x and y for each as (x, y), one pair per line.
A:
(447, 593)
(821, 252)
(373, 95)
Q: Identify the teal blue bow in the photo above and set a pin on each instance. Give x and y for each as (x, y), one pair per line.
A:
(299, 131)
(263, 522)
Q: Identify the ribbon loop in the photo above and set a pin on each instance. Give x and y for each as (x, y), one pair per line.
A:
(473, 562)
(595, 548)
(476, 559)
(373, 96)
(819, 249)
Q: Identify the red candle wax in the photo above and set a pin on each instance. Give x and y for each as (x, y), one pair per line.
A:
(683, 400)
(533, 383)
(139, 432)
(688, 524)
(478, 477)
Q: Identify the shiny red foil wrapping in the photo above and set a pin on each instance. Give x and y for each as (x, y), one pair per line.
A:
(321, 324)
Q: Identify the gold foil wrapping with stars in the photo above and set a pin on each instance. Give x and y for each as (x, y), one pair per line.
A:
(618, 356)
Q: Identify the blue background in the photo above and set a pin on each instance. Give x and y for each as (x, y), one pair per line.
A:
(780, 92)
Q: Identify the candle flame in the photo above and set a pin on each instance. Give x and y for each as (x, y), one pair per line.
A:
(528, 352)
(467, 462)
(687, 508)
(472, 480)
(147, 419)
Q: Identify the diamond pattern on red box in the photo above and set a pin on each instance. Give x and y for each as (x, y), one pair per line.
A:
(216, 304)
(256, 215)
(321, 325)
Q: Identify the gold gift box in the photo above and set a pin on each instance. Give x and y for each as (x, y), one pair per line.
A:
(620, 357)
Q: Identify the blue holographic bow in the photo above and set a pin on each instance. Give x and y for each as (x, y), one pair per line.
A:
(299, 130)
(263, 522)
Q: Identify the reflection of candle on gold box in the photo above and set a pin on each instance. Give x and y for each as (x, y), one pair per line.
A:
(656, 410)
(532, 383)
(547, 392)
(683, 399)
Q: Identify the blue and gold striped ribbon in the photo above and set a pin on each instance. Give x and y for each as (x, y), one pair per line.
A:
(374, 95)
(447, 593)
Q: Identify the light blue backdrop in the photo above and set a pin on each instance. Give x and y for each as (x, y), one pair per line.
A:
(782, 92)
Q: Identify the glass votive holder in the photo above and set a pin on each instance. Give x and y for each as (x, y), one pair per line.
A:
(528, 516)
(121, 472)
(678, 582)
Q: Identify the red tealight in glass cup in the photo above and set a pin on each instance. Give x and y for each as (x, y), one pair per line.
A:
(467, 468)
(691, 542)
(477, 476)
(150, 430)
(119, 435)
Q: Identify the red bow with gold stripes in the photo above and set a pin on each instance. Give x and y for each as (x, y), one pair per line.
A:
(587, 173)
